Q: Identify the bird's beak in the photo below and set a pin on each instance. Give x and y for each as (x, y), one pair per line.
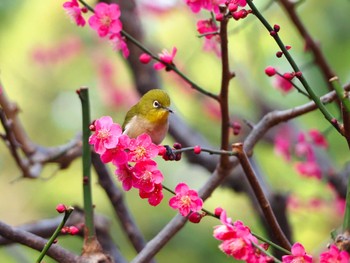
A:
(168, 109)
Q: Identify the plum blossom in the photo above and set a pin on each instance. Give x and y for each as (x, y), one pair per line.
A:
(210, 5)
(334, 255)
(185, 200)
(106, 134)
(237, 240)
(283, 84)
(75, 12)
(154, 197)
(106, 22)
(298, 255)
(146, 175)
(142, 148)
(117, 155)
(165, 59)
(106, 19)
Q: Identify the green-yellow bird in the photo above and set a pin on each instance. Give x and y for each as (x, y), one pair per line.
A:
(149, 115)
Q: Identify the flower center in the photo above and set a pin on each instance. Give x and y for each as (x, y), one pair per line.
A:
(140, 151)
(106, 20)
(103, 134)
(186, 200)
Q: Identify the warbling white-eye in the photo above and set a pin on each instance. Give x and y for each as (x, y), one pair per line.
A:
(149, 115)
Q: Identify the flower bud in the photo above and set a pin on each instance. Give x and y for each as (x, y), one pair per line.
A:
(61, 208)
(195, 217)
(145, 58)
(197, 149)
(270, 71)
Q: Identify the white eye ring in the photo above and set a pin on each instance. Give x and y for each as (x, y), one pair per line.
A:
(156, 104)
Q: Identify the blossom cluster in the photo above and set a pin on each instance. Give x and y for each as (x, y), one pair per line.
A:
(303, 148)
(283, 82)
(135, 167)
(105, 21)
(221, 9)
(131, 156)
(238, 241)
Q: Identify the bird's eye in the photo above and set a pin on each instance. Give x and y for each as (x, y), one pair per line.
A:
(156, 104)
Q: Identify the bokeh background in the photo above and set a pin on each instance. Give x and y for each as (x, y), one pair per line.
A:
(44, 58)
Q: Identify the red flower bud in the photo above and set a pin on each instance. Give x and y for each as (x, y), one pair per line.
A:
(270, 71)
(73, 230)
(61, 208)
(219, 17)
(197, 149)
(218, 211)
(195, 217)
(145, 58)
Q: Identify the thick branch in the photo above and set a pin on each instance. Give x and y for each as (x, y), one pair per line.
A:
(28, 239)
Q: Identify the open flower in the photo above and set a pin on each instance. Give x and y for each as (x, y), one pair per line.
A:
(142, 148)
(74, 11)
(106, 19)
(334, 255)
(106, 134)
(146, 176)
(185, 200)
(298, 255)
(165, 59)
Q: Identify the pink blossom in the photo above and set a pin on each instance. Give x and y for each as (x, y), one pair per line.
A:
(142, 148)
(118, 43)
(309, 169)
(334, 255)
(106, 134)
(118, 154)
(185, 200)
(125, 175)
(210, 5)
(318, 138)
(165, 59)
(283, 84)
(304, 148)
(282, 145)
(154, 197)
(146, 176)
(106, 19)
(74, 11)
(241, 3)
(206, 27)
(298, 255)
(237, 238)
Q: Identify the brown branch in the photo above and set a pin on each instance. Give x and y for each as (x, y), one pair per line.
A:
(260, 196)
(225, 80)
(44, 228)
(28, 239)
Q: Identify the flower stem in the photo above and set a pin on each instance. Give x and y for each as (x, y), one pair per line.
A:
(149, 52)
(87, 191)
(295, 67)
(52, 239)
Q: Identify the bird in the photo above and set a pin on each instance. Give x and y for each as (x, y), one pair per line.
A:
(149, 115)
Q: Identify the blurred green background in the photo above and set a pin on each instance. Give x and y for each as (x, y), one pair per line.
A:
(44, 58)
